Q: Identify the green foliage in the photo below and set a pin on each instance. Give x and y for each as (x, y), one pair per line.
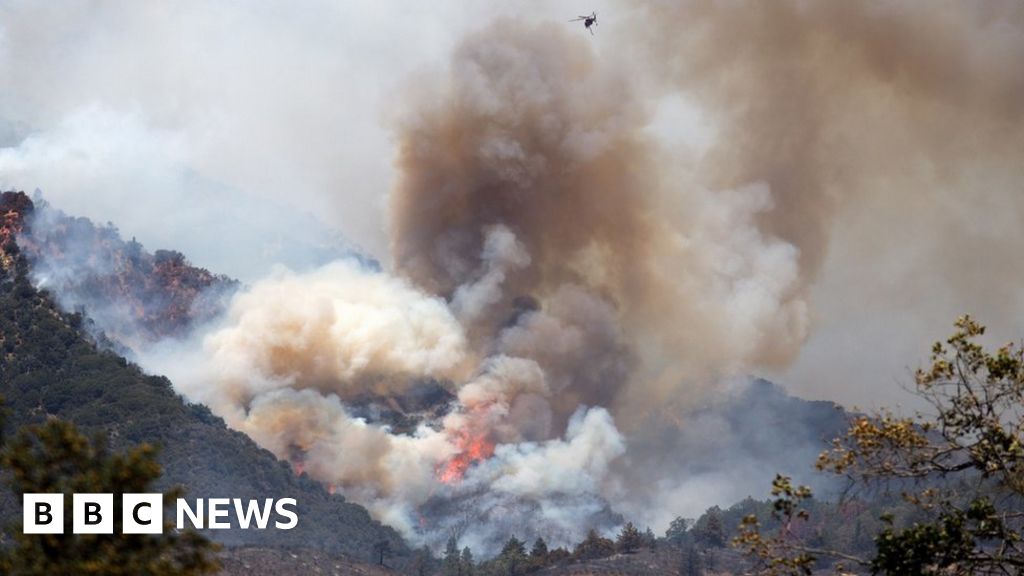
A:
(593, 546)
(650, 540)
(540, 549)
(513, 560)
(468, 565)
(964, 457)
(922, 548)
(678, 530)
(452, 558)
(629, 540)
(538, 555)
(51, 366)
(57, 458)
(709, 529)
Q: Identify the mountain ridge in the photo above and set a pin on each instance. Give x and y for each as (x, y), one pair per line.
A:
(51, 366)
(75, 371)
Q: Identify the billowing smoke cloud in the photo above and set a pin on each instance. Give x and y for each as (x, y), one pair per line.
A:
(529, 131)
(891, 132)
(502, 254)
(548, 489)
(338, 329)
(540, 269)
(580, 286)
(810, 97)
(588, 266)
(294, 349)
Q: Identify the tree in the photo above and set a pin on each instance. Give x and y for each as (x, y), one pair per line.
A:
(558, 556)
(782, 553)
(711, 532)
(452, 558)
(538, 554)
(468, 566)
(960, 464)
(513, 556)
(630, 539)
(56, 458)
(650, 540)
(381, 550)
(421, 561)
(540, 549)
(677, 529)
(691, 561)
(594, 546)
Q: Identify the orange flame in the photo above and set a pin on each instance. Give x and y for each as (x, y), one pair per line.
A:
(472, 448)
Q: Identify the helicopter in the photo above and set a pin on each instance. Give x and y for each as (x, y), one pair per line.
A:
(588, 21)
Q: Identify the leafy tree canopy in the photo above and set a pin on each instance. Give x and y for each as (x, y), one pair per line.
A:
(960, 464)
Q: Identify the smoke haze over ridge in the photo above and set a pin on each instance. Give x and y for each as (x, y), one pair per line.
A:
(552, 251)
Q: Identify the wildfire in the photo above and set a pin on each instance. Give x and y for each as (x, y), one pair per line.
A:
(14, 206)
(472, 448)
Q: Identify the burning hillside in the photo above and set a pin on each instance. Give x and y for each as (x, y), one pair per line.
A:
(135, 297)
(569, 289)
(15, 207)
(532, 257)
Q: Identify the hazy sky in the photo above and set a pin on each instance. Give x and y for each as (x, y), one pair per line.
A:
(231, 130)
(140, 113)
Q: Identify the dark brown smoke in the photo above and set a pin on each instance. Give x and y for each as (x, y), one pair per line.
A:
(898, 124)
(829, 102)
(555, 254)
(891, 135)
(528, 131)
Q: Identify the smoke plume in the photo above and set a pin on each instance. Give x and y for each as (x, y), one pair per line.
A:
(890, 136)
(586, 293)
(538, 271)
(530, 132)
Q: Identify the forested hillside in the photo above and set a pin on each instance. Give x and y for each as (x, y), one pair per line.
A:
(50, 367)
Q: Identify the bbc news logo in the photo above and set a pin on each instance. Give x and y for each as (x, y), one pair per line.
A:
(144, 513)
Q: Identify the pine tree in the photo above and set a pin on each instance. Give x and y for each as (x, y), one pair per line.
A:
(513, 556)
(452, 558)
(422, 561)
(56, 458)
(650, 540)
(594, 546)
(712, 533)
(538, 554)
(540, 549)
(630, 539)
(468, 566)
(381, 550)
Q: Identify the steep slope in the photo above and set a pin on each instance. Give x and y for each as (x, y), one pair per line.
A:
(134, 296)
(49, 366)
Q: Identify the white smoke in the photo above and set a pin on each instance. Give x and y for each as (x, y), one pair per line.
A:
(502, 255)
(293, 348)
(549, 253)
(544, 264)
(340, 328)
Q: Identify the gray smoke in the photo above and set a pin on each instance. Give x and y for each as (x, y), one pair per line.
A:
(585, 287)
